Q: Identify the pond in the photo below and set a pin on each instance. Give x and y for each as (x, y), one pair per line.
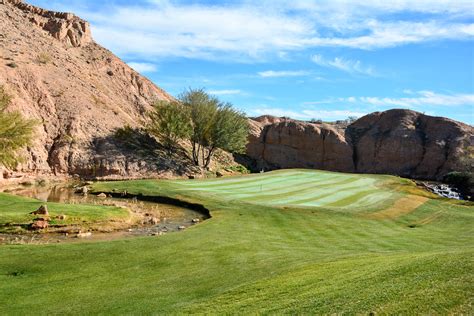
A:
(167, 217)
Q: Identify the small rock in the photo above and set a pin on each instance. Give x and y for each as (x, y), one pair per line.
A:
(110, 73)
(39, 224)
(181, 227)
(102, 195)
(42, 210)
(61, 217)
(196, 220)
(154, 220)
(129, 230)
(84, 235)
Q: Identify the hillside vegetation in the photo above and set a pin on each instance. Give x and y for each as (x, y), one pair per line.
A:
(276, 243)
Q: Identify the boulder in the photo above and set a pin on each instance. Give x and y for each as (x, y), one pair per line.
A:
(42, 210)
(39, 223)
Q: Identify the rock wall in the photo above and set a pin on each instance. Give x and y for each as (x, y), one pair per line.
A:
(287, 143)
(399, 142)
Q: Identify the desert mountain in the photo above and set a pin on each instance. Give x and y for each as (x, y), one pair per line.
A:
(399, 142)
(78, 91)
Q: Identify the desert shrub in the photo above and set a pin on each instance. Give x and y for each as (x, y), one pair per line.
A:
(169, 122)
(214, 124)
(15, 132)
(43, 58)
(238, 168)
(464, 181)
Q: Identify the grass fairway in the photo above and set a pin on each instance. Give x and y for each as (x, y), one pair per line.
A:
(291, 241)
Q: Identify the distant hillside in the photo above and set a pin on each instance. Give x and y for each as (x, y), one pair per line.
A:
(399, 142)
(78, 91)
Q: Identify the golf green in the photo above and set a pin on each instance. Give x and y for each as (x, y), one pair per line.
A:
(290, 241)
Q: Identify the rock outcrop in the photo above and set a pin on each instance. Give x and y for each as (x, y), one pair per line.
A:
(399, 142)
(76, 90)
(65, 27)
(285, 143)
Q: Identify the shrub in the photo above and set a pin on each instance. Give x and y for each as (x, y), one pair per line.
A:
(214, 124)
(43, 58)
(169, 122)
(464, 181)
(15, 132)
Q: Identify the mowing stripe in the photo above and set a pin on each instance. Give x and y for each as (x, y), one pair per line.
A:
(401, 207)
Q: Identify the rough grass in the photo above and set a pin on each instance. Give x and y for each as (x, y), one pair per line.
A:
(256, 255)
(15, 210)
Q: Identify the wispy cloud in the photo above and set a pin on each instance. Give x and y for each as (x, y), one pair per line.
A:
(306, 114)
(422, 98)
(416, 98)
(249, 30)
(224, 92)
(347, 65)
(143, 67)
(283, 73)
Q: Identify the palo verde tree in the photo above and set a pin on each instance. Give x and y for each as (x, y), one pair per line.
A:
(214, 125)
(15, 132)
(169, 122)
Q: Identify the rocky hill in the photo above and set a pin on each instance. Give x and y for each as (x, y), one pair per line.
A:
(78, 91)
(399, 142)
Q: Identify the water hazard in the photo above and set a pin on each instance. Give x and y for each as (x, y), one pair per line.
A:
(156, 219)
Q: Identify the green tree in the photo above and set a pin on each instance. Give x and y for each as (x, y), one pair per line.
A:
(15, 132)
(214, 124)
(169, 122)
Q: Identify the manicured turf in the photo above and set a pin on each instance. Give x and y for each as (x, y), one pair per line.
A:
(15, 210)
(297, 252)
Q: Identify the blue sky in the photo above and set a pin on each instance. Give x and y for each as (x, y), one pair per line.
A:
(325, 59)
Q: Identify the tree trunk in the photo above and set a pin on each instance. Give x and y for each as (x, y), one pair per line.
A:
(209, 157)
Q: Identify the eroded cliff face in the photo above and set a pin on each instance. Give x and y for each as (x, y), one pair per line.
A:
(399, 142)
(408, 143)
(78, 92)
(283, 143)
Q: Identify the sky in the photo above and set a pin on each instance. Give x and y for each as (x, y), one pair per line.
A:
(325, 59)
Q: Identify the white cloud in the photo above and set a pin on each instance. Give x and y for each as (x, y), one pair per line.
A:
(224, 92)
(422, 98)
(347, 65)
(417, 98)
(306, 114)
(143, 67)
(283, 73)
(248, 30)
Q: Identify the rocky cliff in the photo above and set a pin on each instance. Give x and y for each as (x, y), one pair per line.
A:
(78, 92)
(399, 142)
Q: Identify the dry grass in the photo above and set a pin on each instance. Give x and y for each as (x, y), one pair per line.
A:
(401, 207)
